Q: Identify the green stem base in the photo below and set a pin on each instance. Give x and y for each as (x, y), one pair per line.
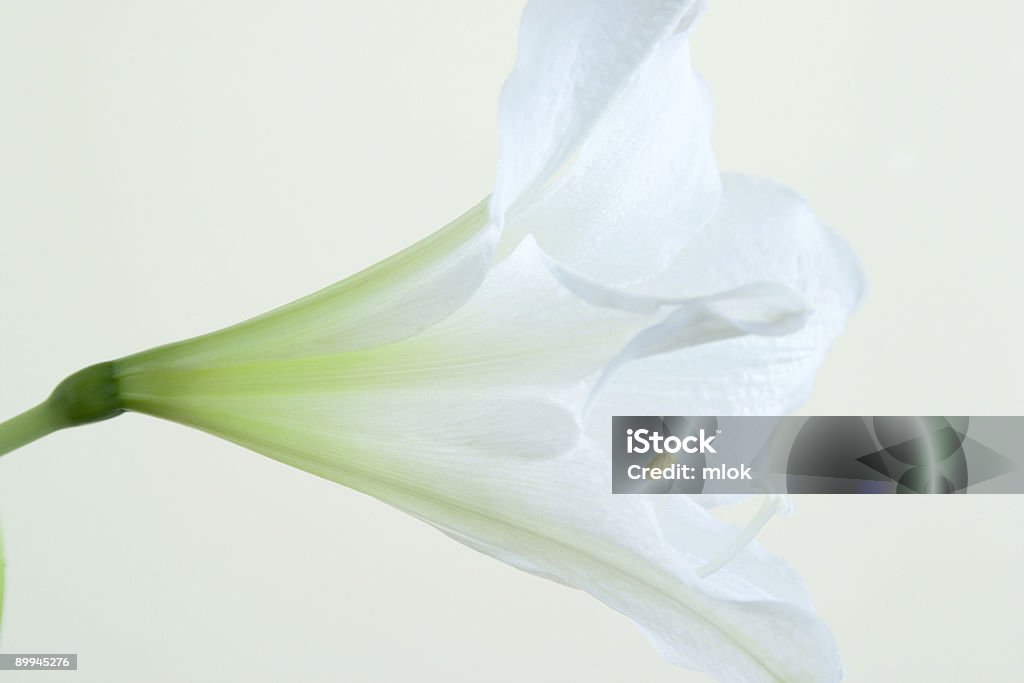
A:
(89, 395)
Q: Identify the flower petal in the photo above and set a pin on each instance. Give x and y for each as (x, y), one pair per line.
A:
(555, 517)
(751, 621)
(762, 231)
(605, 150)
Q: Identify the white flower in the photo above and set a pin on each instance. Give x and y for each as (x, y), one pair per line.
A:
(470, 379)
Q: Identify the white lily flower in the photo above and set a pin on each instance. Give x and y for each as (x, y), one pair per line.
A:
(470, 379)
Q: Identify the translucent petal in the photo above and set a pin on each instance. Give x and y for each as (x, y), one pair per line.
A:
(604, 123)
(640, 186)
(752, 621)
(761, 231)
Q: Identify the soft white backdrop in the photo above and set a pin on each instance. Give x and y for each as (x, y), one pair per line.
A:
(169, 168)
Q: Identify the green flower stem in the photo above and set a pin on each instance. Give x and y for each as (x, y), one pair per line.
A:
(89, 395)
(33, 424)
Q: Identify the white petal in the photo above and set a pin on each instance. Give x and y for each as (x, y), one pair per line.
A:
(751, 621)
(556, 517)
(761, 231)
(605, 146)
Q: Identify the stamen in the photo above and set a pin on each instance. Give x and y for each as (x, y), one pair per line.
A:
(773, 503)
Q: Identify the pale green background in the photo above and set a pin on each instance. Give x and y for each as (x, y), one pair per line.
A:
(170, 167)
